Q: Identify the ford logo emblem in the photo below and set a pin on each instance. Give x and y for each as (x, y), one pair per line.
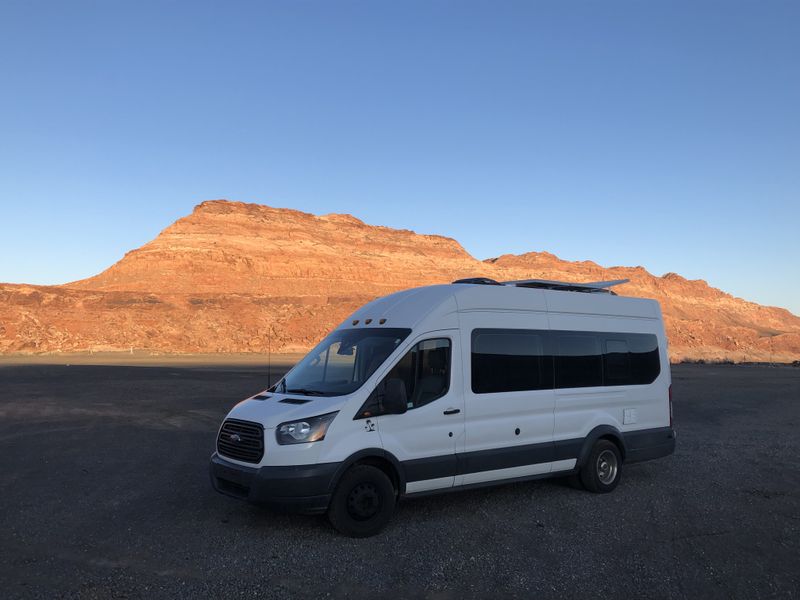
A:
(235, 437)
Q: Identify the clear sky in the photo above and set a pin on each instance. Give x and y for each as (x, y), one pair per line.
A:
(662, 134)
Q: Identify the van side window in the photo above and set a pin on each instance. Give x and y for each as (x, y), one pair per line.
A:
(510, 360)
(645, 362)
(579, 361)
(425, 371)
(617, 362)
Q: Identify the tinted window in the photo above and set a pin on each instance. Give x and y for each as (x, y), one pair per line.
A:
(645, 362)
(617, 362)
(509, 360)
(425, 372)
(579, 361)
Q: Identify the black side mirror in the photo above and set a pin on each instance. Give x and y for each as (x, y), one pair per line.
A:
(395, 399)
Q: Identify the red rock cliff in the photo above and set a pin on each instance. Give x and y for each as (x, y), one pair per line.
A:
(232, 275)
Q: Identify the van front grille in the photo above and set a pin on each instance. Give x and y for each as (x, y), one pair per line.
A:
(241, 440)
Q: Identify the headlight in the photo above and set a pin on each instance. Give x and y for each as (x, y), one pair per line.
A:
(304, 430)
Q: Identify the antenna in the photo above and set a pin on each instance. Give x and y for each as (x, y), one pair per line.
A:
(269, 357)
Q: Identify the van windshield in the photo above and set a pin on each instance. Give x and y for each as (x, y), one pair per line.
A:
(342, 362)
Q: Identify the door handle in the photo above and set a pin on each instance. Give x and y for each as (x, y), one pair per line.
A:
(452, 411)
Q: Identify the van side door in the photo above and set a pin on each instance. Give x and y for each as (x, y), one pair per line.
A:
(509, 397)
(425, 437)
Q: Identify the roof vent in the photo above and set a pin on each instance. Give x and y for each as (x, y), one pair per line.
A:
(478, 281)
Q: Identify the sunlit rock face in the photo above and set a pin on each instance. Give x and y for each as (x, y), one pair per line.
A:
(236, 277)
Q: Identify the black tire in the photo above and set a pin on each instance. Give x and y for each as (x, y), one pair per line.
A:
(363, 502)
(603, 468)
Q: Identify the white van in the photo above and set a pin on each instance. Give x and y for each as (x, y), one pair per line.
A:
(450, 387)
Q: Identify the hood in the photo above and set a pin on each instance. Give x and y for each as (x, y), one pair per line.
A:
(270, 410)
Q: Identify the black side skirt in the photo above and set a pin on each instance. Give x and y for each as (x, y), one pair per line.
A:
(637, 446)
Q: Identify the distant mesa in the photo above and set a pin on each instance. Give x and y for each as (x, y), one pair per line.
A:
(237, 277)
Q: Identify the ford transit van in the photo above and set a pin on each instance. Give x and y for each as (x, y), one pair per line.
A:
(450, 387)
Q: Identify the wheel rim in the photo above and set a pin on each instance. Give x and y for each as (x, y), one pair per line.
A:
(363, 501)
(607, 467)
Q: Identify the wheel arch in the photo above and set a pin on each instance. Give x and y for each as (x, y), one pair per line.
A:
(607, 432)
(379, 458)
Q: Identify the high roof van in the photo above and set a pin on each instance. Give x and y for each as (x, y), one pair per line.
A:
(451, 387)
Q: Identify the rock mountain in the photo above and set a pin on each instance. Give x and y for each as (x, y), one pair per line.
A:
(235, 277)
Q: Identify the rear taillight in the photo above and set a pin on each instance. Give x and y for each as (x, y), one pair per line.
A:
(670, 405)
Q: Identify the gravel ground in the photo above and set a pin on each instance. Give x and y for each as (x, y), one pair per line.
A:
(105, 493)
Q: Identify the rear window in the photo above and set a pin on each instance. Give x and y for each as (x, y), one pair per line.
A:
(645, 364)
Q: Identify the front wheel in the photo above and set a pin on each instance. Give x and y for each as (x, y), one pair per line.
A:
(363, 502)
(603, 469)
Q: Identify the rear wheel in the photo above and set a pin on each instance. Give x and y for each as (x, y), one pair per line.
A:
(603, 469)
(363, 502)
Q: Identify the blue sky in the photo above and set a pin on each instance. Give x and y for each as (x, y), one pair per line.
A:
(661, 134)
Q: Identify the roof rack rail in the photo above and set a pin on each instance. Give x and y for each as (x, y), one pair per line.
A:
(591, 287)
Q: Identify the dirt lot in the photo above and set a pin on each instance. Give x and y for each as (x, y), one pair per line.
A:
(105, 493)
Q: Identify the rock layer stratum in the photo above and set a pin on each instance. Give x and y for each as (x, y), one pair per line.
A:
(236, 277)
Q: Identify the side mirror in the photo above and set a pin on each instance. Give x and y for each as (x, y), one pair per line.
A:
(395, 399)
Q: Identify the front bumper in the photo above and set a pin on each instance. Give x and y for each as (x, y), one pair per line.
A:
(298, 488)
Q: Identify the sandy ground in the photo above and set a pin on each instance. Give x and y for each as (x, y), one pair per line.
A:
(105, 493)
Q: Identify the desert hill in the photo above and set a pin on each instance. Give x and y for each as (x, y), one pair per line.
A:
(235, 277)
(232, 247)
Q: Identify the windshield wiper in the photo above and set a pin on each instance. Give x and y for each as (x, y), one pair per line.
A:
(305, 392)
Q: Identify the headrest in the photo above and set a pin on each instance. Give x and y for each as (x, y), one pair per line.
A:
(437, 359)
